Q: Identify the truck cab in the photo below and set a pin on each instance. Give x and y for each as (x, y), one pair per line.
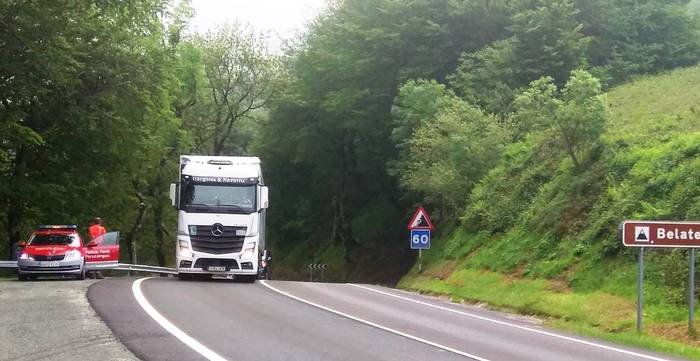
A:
(221, 203)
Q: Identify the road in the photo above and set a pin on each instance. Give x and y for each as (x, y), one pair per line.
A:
(277, 320)
(51, 320)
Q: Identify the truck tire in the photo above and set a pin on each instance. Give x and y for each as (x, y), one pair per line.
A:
(247, 278)
(22, 278)
(184, 276)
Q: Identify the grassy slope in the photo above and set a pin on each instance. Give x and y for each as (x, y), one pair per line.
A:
(582, 292)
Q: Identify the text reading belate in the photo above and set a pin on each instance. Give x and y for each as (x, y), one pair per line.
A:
(662, 233)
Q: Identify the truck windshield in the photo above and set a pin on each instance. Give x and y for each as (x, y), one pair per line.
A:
(218, 198)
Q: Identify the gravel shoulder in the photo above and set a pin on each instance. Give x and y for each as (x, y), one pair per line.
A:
(52, 320)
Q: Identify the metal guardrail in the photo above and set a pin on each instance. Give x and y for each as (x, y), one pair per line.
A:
(8, 264)
(144, 268)
(118, 266)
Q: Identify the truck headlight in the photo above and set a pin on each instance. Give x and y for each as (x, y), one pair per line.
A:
(184, 244)
(248, 251)
(71, 255)
(25, 256)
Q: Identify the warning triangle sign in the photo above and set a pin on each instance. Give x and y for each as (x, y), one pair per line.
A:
(420, 220)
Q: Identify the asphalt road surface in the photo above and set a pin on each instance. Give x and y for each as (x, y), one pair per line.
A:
(167, 319)
(51, 320)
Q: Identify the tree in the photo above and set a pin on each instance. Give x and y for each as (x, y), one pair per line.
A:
(637, 37)
(577, 114)
(451, 146)
(546, 39)
(80, 85)
(239, 73)
(549, 41)
(325, 145)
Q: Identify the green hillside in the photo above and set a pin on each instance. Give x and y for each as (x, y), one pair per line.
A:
(539, 239)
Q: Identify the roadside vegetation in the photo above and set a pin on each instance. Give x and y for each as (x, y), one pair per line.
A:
(97, 101)
(528, 130)
(582, 279)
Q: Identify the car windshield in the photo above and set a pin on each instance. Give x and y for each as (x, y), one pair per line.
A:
(239, 199)
(54, 240)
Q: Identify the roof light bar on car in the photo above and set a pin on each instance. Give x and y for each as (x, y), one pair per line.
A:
(57, 226)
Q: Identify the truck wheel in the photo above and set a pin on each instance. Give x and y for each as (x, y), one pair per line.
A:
(21, 277)
(247, 278)
(184, 276)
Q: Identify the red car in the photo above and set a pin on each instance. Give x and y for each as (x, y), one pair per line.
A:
(59, 250)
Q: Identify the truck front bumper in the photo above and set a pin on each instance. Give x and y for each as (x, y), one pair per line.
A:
(216, 264)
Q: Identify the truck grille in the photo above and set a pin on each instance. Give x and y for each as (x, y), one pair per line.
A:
(58, 257)
(227, 242)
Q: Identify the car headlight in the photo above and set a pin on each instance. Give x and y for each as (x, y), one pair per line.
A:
(26, 257)
(74, 254)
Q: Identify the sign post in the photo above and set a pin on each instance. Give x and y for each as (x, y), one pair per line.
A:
(691, 292)
(420, 227)
(650, 234)
(640, 289)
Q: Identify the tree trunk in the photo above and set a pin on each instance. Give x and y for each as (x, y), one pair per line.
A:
(15, 205)
(138, 223)
(158, 227)
(14, 217)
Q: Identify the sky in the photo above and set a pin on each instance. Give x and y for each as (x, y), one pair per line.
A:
(279, 19)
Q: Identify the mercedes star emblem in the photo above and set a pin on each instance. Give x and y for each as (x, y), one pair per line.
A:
(217, 229)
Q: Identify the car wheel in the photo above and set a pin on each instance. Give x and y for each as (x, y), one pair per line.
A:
(81, 275)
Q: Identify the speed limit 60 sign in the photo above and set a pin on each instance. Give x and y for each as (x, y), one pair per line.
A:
(420, 239)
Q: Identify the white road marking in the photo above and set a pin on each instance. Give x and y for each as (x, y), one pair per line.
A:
(264, 283)
(168, 326)
(588, 343)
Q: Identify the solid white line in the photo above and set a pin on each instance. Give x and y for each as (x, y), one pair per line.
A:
(588, 343)
(168, 326)
(264, 283)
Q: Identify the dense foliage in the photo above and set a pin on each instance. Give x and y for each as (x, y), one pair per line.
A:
(492, 114)
(98, 99)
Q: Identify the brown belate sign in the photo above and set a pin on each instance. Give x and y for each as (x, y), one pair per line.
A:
(660, 234)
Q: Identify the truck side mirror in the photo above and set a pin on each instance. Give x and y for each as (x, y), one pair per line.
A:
(264, 201)
(173, 194)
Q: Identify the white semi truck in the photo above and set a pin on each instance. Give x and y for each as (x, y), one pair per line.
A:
(221, 203)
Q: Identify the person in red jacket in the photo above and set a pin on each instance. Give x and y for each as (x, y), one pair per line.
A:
(95, 231)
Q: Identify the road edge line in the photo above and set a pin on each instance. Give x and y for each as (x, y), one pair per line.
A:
(542, 332)
(397, 332)
(169, 326)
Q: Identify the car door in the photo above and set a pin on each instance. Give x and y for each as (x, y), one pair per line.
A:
(103, 251)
